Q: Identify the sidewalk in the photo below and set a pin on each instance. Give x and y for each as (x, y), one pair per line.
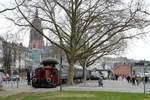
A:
(109, 85)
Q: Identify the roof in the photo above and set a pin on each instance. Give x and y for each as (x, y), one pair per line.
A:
(50, 60)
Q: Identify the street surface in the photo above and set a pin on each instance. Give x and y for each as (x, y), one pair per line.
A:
(91, 85)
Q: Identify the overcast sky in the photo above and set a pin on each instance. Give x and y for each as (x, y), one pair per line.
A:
(138, 49)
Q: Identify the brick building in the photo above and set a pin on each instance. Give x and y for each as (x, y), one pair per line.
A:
(120, 68)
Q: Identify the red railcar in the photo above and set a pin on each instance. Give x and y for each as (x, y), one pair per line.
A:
(46, 76)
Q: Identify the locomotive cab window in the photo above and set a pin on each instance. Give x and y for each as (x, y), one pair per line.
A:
(49, 64)
(54, 72)
(37, 72)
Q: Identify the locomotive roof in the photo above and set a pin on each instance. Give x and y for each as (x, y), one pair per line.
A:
(50, 60)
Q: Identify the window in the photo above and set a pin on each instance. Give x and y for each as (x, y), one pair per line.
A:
(37, 72)
(54, 72)
(34, 46)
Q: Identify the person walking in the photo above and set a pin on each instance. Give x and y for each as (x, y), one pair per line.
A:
(133, 80)
(28, 77)
(0, 78)
(100, 82)
(122, 76)
(128, 78)
(146, 79)
(137, 80)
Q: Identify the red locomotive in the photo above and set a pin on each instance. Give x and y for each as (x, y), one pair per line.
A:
(46, 76)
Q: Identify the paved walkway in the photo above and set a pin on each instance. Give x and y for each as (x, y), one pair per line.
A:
(109, 85)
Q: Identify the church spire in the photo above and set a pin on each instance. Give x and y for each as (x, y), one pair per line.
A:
(36, 39)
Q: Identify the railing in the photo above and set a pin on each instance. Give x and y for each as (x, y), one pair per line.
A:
(22, 83)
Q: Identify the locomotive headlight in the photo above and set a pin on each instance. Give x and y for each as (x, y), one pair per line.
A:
(49, 80)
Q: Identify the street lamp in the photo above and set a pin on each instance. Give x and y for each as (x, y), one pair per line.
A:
(60, 70)
(145, 65)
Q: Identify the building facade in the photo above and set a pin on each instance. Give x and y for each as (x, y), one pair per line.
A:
(16, 58)
(120, 69)
(36, 43)
(36, 39)
(1, 55)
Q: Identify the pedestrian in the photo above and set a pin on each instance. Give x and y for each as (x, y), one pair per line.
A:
(7, 77)
(100, 82)
(117, 76)
(146, 79)
(122, 76)
(133, 80)
(28, 78)
(0, 78)
(137, 80)
(128, 78)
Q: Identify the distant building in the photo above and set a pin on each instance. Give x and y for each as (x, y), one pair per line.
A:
(16, 58)
(36, 39)
(36, 57)
(28, 58)
(109, 62)
(134, 68)
(121, 69)
(36, 43)
(1, 55)
(46, 52)
(138, 67)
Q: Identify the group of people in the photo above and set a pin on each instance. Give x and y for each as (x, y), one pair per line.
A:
(114, 77)
(135, 80)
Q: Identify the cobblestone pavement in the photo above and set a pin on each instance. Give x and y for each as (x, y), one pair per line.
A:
(109, 85)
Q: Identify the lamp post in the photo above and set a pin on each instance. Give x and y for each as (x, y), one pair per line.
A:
(60, 69)
(145, 65)
(60, 80)
(144, 79)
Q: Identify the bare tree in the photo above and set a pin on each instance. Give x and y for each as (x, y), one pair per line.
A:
(104, 23)
(89, 60)
(5, 9)
(7, 57)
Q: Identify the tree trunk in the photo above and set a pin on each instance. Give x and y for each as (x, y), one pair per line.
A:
(70, 73)
(84, 73)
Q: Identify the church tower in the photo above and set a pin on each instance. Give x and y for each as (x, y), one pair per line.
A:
(36, 39)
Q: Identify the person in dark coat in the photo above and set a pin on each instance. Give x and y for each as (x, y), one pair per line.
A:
(146, 79)
(117, 76)
(28, 77)
(133, 80)
(128, 79)
(100, 82)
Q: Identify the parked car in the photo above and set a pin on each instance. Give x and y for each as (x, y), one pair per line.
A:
(4, 78)
(15, 78)
(96, 76)
(102, 76)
